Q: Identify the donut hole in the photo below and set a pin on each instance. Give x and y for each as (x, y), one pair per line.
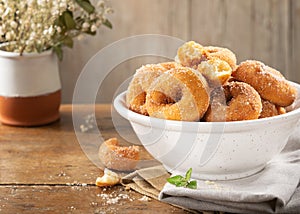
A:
(142, 97)
(166, 99)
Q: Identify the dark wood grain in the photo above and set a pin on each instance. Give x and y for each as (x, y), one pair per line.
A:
(44, 170)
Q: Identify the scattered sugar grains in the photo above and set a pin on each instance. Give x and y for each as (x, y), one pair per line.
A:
(114, 198)
(145, 198)
(89, 123)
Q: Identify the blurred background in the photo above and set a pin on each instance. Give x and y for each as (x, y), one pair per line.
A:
(265, 30)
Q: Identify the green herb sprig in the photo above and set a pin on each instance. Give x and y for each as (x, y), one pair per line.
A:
(180, 181)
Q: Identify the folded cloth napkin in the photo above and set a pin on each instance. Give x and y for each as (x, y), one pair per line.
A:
(149, 181)
(276, 189)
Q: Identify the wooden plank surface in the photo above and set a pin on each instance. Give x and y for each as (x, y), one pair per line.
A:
(77, 199)
(44, 169)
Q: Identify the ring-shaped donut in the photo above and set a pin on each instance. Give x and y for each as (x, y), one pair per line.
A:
(211, 52)
(269, 109)
(268, 82)
(142, 79)
(235, 101)
(191, 54)
(179, 94)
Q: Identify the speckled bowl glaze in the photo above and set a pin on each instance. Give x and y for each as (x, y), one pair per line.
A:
(214, 150)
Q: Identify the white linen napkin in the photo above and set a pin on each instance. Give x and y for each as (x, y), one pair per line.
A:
(276, 189)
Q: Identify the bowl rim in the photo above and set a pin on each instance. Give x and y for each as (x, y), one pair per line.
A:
(121, 107)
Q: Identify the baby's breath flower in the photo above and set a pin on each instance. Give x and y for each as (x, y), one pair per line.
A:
(38, 25)
(1, 31)
(9, 36)
(58, 29)
(85, 25)
(41, 2)
(14, 24)
(63, 5)
(94, 28)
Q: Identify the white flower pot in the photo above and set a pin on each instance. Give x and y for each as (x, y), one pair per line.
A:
(30, 88)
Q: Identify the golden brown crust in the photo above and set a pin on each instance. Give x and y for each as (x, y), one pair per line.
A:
(191, 54)
(269, 109)
(179, 94)
(143, 78)
(237, 101)
(269, 83)
(211, 52)
(118, 157)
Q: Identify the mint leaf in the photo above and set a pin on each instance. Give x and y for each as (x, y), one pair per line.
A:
(192, 184)
(180, 181)
(188, 174)
(176, 180)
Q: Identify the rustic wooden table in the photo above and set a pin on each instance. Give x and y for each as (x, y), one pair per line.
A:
(44, 170)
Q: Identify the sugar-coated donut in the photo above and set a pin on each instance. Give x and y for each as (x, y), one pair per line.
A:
(142, 79)
(269, 83)
(191, 54)
(269, 109)
(234, 101)
(117, 157)
(216, 71)
(211, 52)
(179, 94)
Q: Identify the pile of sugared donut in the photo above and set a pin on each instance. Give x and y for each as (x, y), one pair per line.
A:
(204, 83)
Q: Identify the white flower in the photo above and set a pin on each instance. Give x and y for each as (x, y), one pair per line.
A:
(92, 16)
(94, 28)
(2, 31)
(30, 2)
(45, 32)
(8, 36)
(32, 36)
(63, 5)
(58, 29)
(41, 2)
(100, 3)
(13, 24)
(85, 25)
(51, 30)
(39, 25)
(71, 6)
(30, 25)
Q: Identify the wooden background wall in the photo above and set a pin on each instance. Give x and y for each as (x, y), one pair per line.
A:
(266, 30)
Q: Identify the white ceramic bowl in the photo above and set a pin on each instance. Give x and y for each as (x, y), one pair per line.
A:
(214, 150)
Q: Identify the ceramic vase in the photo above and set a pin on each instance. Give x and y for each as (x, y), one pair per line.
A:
(30, 88)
